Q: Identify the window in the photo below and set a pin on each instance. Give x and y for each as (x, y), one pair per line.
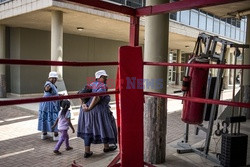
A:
(173, 16)
(242, 34)
(222, 28)
(228, 30)
(233, 32)
(194, 18)
(233, 22)
(131, 3)
(242, 25)
(185, 17)
(178, 16)
(134, 3)
(238, 23)
(216, 26)
(237, 34)
(202, 21)
(228, 20)
(210, 23)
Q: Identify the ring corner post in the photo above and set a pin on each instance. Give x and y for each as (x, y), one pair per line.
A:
(131, 103)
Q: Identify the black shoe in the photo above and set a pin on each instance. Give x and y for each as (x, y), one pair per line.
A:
(69, 148)
(111, 148)
(57, 152)
(87, 155)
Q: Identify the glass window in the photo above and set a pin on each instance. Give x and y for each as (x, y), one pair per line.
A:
(229, 20)
(133, 4)
(245, 25)
(224, 19)
(242, 24)
(185, 17)
(202, 21)
(242, 36)
(237, 34)
(178, 16)
(119, 1)
(209, 23)
(222, 28)
(233, 32)
(228, 31)
(173, 16)
(216, 26)
(194, 18)
(238, 23)
(233, 22)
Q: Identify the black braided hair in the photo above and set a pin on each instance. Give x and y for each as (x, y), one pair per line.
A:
(65, 104)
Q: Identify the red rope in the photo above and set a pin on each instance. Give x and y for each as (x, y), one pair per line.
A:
(199, 65)
(200, 100)
(66, 63)
(52, 98)
(81, 64)
(55, 63)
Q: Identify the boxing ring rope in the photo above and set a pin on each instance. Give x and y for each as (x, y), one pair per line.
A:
(54, 63)
(199, 100)
(195, 99)
(88, 64)
(52, 98)
(199, 65)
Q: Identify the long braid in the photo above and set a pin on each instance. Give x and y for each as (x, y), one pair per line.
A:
(65, 107)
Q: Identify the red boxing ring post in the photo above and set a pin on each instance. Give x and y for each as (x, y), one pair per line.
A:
(131, 103)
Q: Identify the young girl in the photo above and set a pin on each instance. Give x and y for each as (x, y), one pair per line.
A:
(63, 122)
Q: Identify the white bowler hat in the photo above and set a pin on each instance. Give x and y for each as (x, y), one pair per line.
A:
(99, 73)
(53, 74)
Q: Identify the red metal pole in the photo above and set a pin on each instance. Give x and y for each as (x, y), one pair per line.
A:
(134, 31)
(118, 109)
(131, 103)
(114, 161)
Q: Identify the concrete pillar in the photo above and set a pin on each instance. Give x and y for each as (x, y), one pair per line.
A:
(226, 71)
(178, 69)
(2, 66)
(246, 73)
(57, 40)
(155, 114)
(231, 71)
